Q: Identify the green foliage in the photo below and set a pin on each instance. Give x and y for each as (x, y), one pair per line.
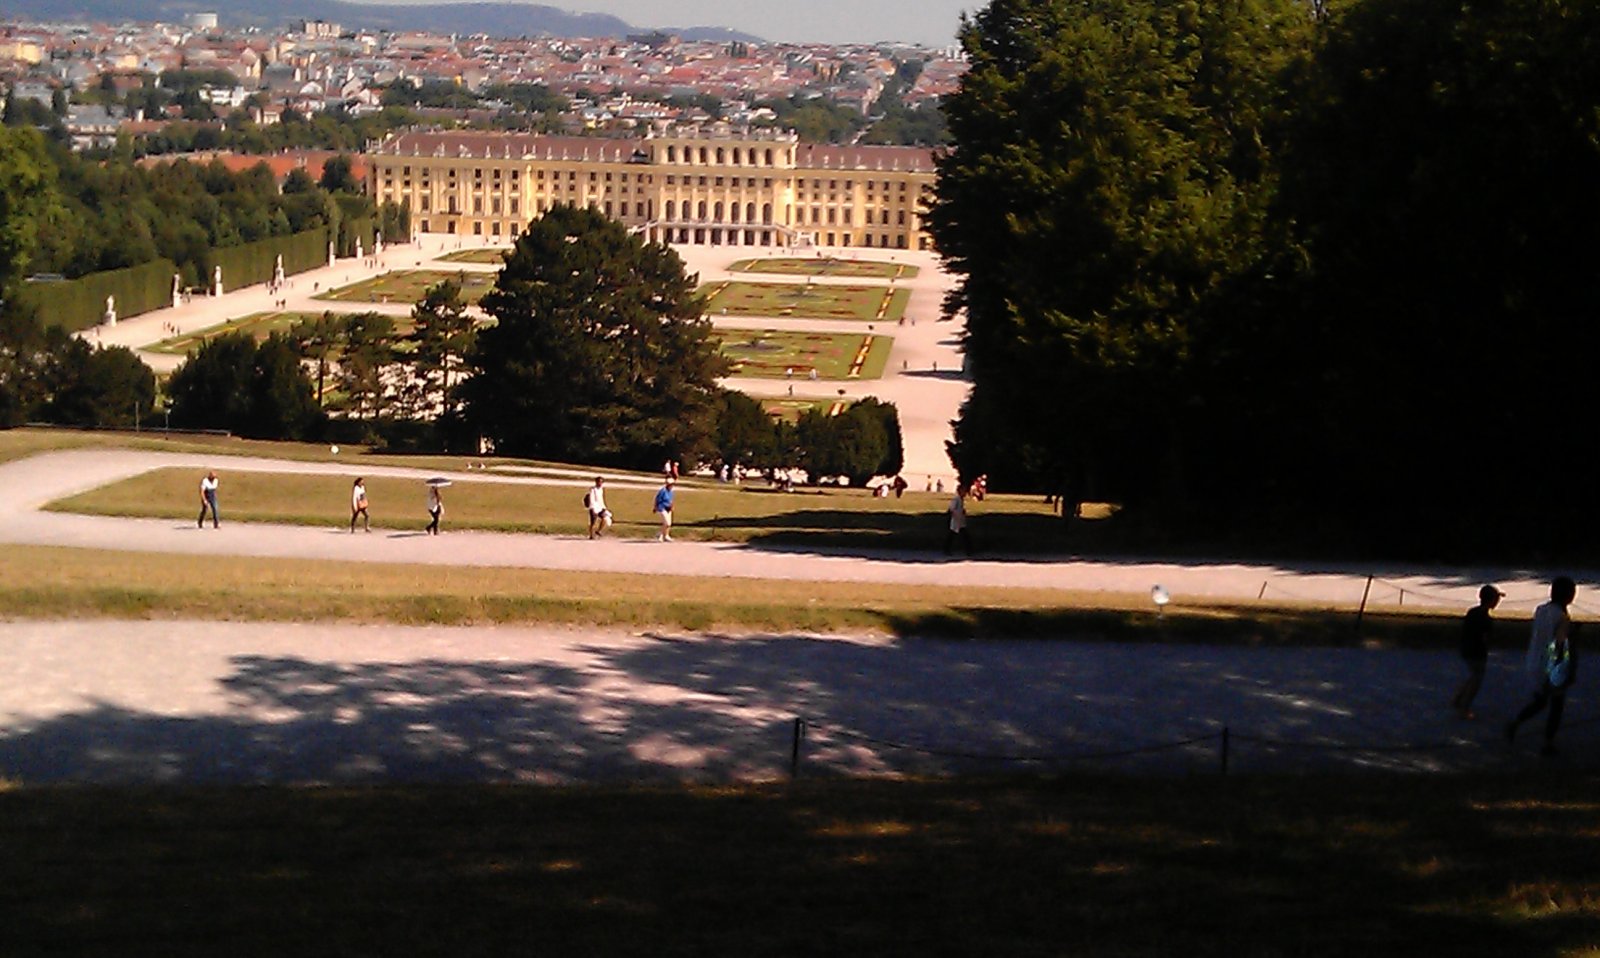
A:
(1357, 239)
(26, 195)
(98, 387)
(899, 125)
(1440, 181)
(527, 97)
(252, 263)
(859, 443)
(432, 93)
(338, 177)
(257, 391)
(746, 436)
(816, 120)
(441, 339)
(78, 304)
(600, 354)
(369, 348)
(328, 130)
(1111, 175)
(113, 215)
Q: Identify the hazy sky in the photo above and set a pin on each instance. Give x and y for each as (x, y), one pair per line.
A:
(931, 22)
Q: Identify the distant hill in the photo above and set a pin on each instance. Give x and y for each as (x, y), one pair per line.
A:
(494, 19)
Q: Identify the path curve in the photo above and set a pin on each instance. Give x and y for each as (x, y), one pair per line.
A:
(35, 481)
(226, 702)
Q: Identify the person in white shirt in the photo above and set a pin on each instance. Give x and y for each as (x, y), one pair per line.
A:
(595, 501)
(208, 500)
(958, 522)
(358, 505)
(1549, 645)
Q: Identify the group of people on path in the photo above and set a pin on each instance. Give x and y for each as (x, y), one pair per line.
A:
(1550, 664)
(594, 501)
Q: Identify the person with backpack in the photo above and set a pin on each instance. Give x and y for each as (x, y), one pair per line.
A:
(595, 502)
(1475, 629)
(1551, 663)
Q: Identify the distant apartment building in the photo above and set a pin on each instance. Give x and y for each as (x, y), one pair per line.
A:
(702, 186)
(320, 29)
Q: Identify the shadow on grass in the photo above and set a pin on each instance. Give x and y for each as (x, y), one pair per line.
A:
(915, 868)
(1382, 865)
(1033, 538)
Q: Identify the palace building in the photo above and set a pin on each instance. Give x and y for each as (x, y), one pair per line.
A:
(708, 186)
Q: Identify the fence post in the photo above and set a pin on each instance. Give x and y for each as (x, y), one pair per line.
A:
(1225, 750)
(794, 748)
(1361, 612)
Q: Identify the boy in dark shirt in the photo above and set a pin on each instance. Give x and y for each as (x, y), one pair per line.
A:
(1475, 629)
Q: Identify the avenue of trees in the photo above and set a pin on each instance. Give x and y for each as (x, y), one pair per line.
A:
(1312, 274)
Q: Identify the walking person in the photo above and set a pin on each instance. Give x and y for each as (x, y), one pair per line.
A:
(358, 506)
(663, 508)
(208, 500)
(595, 501)
(1550, 663)
(435, 509)
(958, 522)
(1475, 629)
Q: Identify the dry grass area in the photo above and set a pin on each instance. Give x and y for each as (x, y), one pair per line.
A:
(1371, 866)
(708, 511)
(52, 582)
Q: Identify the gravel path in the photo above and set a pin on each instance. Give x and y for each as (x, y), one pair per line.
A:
(236, 702)
(30, 483)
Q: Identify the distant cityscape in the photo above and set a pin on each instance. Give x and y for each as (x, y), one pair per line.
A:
(104, 83)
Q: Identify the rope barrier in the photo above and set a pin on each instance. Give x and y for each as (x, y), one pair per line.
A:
(998, 757)
(1226, 737)
(1345, 747)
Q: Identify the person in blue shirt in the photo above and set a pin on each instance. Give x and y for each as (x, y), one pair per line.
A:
(663, 508)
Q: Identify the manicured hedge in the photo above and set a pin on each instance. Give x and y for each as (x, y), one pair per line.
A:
(76, 304)
(253, 263)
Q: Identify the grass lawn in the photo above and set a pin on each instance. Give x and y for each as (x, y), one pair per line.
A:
(826, 266)
(20, 443)
(807, 301)
(409, 285)
(790, 410)
(709, 511)
(495, 255)
(783, 354)
(51, 582)
(258, 325)
(1210, 866)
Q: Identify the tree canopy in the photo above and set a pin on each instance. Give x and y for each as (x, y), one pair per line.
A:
(1258, 265)
(1110, 175)
(600, 352)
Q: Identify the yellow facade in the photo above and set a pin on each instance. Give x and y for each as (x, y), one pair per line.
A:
(713, 187)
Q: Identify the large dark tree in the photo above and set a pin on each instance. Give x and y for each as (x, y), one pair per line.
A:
(258, 391)
(1443, 180)
(600, 352)
(98, 387)
(441, 338)
(1111, 172)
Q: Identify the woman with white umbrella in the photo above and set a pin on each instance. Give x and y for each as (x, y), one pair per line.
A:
(435, 503)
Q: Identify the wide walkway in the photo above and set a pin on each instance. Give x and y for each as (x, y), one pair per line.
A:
(33, 482)
(237, 702)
